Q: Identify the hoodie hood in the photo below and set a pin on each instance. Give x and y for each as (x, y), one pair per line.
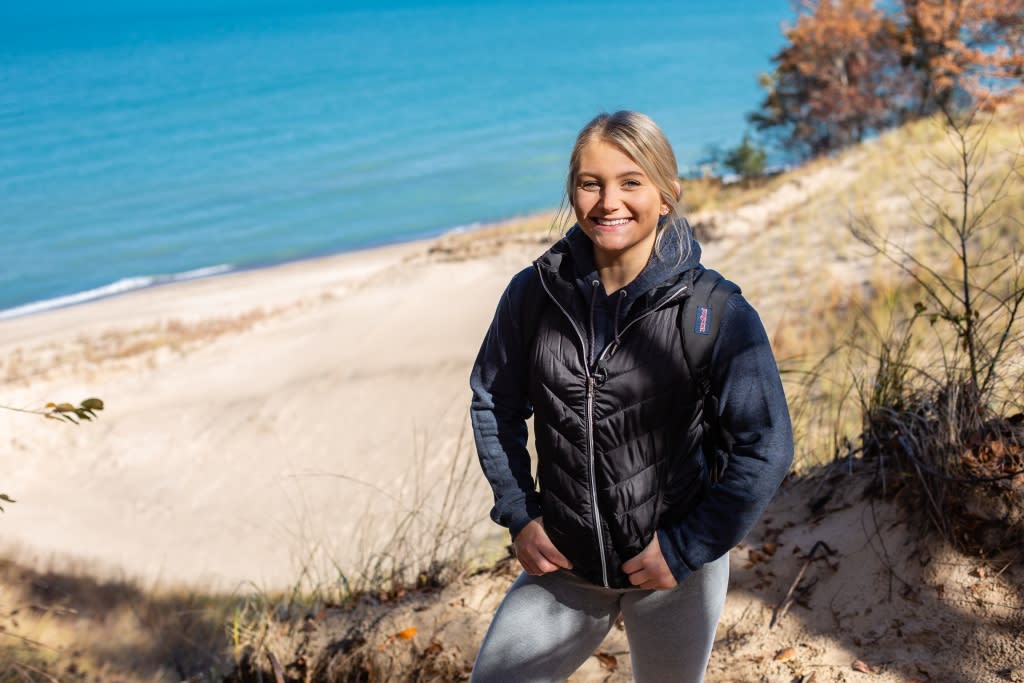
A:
(571, 277)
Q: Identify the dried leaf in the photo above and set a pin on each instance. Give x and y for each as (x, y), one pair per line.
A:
(608, 661)
(434, 649)
(407, 633)
(770, 548)
(756, 556)
(785, 654)
(862, 667)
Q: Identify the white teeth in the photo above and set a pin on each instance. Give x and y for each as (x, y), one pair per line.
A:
(616, 221)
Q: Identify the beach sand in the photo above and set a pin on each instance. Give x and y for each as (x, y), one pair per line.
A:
(255, 422)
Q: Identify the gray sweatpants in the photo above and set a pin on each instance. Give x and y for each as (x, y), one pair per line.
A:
(548, 625)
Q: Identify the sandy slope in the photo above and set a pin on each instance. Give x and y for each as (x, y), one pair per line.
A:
(238, 455)
(878, 600)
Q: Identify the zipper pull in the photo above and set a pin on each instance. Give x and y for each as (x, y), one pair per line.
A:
(590, 387)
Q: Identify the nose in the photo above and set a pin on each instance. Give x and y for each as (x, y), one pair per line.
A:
(610, 199)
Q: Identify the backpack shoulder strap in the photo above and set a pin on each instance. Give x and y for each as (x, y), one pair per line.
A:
(700, 318)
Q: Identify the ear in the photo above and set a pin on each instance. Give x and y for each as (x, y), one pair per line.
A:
(665, 207)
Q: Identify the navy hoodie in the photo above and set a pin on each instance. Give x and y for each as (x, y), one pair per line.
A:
(744, 377)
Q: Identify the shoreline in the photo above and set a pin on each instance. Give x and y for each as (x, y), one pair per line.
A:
(291, 269)
(123, 286)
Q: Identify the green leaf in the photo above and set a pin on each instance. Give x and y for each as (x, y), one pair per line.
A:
(92, 404)
(919, 307)
(64, 408)
(7, 499)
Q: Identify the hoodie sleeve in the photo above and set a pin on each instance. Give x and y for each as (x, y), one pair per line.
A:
(500, 408)
(752, 407)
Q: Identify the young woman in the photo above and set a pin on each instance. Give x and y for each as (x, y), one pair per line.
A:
(626, 517)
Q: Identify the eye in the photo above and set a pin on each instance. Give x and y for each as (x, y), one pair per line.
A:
(589, 185)
(631, 183)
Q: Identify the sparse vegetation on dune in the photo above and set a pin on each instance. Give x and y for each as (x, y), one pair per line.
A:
(903, 399)
(118, 345)
(65, 624)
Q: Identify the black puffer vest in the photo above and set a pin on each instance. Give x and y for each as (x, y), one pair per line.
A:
(618, 444)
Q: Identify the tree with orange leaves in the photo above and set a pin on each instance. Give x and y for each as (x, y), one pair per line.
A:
(854, 67)
(836, 79)
(963, 51)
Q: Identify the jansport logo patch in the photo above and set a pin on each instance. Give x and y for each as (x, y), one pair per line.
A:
(702, 325)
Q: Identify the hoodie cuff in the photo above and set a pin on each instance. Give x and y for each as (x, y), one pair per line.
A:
(530, 512)
(680, 570)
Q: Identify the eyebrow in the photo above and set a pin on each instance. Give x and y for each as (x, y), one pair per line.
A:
(621, 175)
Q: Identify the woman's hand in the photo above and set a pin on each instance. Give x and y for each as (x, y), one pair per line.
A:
(536, 552)
(649, 569)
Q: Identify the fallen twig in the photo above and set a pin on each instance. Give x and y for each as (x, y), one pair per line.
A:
(787, 602)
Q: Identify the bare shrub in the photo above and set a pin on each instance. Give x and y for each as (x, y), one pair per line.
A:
(942, 407)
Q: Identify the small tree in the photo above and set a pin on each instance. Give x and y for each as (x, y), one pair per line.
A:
(747, 159)
(953, 419)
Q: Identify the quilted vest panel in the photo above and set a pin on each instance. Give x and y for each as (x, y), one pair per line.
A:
(617, 454)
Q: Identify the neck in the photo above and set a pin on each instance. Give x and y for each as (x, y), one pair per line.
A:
(618, 270)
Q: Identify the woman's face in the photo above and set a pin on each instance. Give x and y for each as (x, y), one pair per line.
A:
(617, 205)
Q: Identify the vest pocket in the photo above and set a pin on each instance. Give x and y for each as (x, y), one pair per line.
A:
(686, 480)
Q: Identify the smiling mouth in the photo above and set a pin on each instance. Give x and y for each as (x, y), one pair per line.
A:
(611, 222)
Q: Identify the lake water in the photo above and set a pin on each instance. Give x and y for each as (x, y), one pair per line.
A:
(199, 137)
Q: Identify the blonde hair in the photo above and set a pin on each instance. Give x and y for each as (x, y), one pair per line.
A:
(638, 137)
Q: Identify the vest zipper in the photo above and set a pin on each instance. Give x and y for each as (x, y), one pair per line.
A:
(590, 408)
(590, 431)
(593, 477)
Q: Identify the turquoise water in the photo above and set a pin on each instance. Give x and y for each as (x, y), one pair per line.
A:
(196, 138)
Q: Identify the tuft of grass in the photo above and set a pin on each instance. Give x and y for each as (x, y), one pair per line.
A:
(432, 541)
